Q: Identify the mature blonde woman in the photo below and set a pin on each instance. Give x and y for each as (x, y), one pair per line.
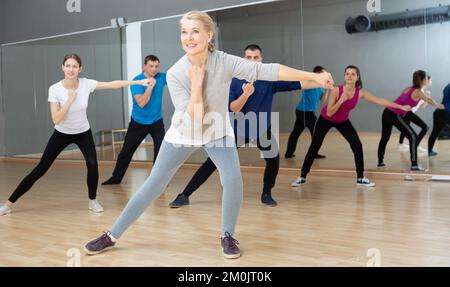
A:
(199, 87)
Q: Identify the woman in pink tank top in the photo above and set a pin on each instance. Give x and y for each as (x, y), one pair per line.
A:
(421, 105)
(401, 119)
(336, 114)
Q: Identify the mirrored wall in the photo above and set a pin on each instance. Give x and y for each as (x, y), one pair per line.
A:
(387, 40)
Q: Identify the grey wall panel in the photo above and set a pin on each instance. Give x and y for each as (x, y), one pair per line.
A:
(2, 107)
(30, 69)
(26, 19)
(19, 99)
(107, 106)
(2, 24)
(2, 112)
(123, 47)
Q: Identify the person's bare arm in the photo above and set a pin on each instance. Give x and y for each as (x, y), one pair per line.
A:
(59, 113)
(418, 94)
(290, 74)
(119, 84)
(143, 99)
(334, 104)
(381, 101)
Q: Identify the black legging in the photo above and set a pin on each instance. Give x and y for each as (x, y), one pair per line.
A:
(391, 119)
(441, 118)
(57, 143)
(136, 133)
(267, 144)
(402, 137)
(347, 131)
(302, 120)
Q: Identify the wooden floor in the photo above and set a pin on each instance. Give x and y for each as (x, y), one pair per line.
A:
(337, 150)
(329, 222)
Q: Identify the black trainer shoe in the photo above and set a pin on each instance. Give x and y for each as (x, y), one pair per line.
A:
(299, 181)
(179, 201)
(111, 181)
(381, 164)
(320, 156)
(364, 182)
(267, 199)
(432, 153)
(289, 155)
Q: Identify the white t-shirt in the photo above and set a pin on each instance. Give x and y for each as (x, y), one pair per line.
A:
(76, 121)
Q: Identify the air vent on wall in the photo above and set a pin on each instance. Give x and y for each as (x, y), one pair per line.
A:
(404, 19)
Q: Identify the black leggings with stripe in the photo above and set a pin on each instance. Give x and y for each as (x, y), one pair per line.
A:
(391, 119)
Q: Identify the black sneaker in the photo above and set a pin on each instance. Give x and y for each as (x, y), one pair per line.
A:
(432, 153)
(230, 250)
(320, 156)
(111, 181)
(181, 200)
(299, 181)
(364, 182)
(418, 168)
(267, 199)
(381, 164)
(289, 155)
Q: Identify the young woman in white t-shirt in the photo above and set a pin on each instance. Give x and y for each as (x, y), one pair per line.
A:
(68, 104)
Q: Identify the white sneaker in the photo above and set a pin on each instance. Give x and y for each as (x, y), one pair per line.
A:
(364, 182)
(418, 168)
(403, 147)
(422, 149)
(4, 209)
(299, 181)
(95, 206)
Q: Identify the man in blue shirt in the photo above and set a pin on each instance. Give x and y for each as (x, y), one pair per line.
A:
(247, 98)
(441, 118)
(305, 115)
(146, 117)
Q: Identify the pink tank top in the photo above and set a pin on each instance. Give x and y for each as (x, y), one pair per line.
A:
(405, 99)
(343, 113)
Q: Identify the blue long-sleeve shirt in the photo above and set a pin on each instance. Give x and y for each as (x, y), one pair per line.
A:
(259, 104)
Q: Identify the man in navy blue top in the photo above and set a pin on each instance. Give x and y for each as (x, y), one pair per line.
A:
(249, 98)
(146, 117)
(305, 115)
(441, 118)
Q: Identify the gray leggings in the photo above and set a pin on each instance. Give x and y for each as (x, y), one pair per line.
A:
(170, 158)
